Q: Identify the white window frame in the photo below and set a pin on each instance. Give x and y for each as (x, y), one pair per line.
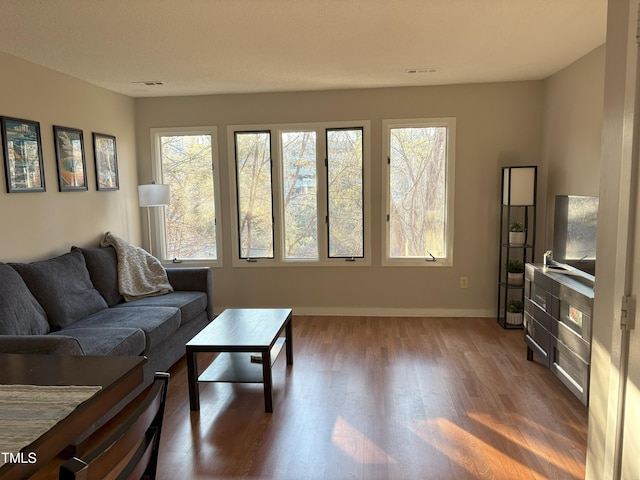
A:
(387, 125)
(157, 214)
(278, 207)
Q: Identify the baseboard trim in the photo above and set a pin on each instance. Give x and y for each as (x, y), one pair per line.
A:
(387, 312)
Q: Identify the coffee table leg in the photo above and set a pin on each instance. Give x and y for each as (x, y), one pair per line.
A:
(289, 341)
(266, 379)
(192, 376)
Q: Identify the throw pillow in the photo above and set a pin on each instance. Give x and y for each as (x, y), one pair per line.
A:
(20, 313)
(102, 264)
(63, 287)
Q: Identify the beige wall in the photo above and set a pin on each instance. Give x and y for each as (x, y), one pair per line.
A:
(497, 124)
(573, 122)
(612, 411)
(39, 225)
(572, 134)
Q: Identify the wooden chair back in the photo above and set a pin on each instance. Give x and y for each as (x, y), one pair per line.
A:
(126, 447)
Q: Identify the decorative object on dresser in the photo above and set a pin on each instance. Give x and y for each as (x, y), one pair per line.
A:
(517, 238)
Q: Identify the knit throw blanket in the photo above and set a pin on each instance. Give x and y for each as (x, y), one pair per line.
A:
(139, 273)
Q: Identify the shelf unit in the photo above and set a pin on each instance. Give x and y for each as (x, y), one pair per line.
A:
(238, 367)
(518, 204)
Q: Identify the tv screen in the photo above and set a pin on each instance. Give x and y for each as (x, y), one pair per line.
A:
(574, 231)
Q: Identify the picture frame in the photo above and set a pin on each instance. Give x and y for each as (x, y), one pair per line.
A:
(22, 151)
(106, 159)
(70, 159)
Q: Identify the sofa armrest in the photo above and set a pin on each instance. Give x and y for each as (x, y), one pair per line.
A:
(40, 344)
(194, 279)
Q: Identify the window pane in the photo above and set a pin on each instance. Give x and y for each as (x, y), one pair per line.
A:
(418, 168)
(345, 193)
(190, 226)
(255, 206)
(300, 195)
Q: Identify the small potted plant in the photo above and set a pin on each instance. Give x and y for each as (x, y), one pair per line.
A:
(515, 272)
(515, 310)
(517, 233)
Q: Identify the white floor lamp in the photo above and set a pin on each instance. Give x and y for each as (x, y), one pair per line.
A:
(153, 195)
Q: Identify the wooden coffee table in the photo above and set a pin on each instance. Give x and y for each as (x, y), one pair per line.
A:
(236, 334)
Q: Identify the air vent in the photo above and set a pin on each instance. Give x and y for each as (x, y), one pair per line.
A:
(150, 83)
(412, 71)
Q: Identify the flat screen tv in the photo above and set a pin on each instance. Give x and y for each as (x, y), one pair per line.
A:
(574, 232)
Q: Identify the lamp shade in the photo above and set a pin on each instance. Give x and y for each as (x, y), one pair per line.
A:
(519, 185)
(154, 195)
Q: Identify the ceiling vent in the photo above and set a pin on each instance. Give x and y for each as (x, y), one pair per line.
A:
(412, 71)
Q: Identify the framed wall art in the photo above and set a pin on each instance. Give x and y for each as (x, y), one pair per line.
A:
(22, 149)
(72, 167)
(106, 157)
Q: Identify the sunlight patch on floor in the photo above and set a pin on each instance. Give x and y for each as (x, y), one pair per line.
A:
(541, 448)
(470, 451)
(357, 446)
(461, 447)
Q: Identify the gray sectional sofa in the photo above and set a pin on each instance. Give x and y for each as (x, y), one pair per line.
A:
(71, 305)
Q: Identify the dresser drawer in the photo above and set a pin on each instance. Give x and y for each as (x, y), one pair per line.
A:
(570, 369)
(542, 317)
(537, 338)
(572, 341)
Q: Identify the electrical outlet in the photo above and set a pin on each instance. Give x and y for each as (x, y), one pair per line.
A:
(464, 282)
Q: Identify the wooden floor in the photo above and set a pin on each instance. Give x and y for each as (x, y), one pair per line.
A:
(383, 398)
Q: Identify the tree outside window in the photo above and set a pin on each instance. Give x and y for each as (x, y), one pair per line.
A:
(255, 203)
(306, 204)
(420, 158)
(190, 221)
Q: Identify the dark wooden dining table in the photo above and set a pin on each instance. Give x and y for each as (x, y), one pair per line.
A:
(117, 376)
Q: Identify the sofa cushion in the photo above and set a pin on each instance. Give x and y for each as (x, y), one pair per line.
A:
(157, 323)
(102, 341)
(190, 303)
(20, 312)
(102, 264)
(40, 344)
(63, 287)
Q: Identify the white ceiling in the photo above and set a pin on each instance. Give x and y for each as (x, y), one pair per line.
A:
(238, 46)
